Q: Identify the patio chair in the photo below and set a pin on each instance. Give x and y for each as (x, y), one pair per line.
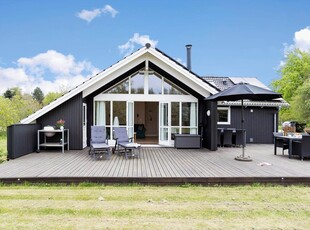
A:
(227, 139)
(122, 140)
(98, 143)
(279, 142)
(219, 137)
(301, 148)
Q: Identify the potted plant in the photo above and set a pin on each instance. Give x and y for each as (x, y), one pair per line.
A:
(60, 124)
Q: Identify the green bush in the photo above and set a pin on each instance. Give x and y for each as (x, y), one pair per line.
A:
(3, 156)
(3, 149)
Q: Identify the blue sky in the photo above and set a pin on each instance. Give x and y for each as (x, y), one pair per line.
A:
(57, 44)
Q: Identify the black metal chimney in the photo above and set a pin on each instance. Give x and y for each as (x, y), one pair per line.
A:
(189, 56)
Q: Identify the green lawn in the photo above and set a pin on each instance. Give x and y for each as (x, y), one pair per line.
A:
(3, 150)
(149, 207)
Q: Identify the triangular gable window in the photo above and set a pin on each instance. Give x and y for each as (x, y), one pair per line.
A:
(170, 88)
(157, 84)
(120, 88)
(137, 84)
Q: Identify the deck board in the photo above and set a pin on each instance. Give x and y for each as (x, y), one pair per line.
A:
(155, 162)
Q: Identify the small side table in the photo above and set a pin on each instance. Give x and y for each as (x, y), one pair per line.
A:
(132, 147)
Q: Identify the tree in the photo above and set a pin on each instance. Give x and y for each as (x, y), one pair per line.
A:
(8, 113)
(294, 86)
(10, 93)
(25, 105)
(38, 95)
(51, 96)
(295, 72)
(301, 103)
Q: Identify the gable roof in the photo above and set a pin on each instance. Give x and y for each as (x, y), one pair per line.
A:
(142, 54)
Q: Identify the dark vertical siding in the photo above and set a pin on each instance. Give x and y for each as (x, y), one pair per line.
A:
(208, 124)
(259, 124)
(202, 121)
(72, 112)
(90, 116)
(211, 132)
(21, 139)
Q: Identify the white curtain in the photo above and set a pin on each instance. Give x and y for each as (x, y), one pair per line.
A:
(100, 113)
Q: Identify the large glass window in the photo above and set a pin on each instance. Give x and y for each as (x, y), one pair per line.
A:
(175, 119)
(119, 112)
(175, 113)
(223, 115)
(155, 84)
(189, 117)
(100, 113)
(137, 84)
(172, 89)
(108, 112)
(121, 88)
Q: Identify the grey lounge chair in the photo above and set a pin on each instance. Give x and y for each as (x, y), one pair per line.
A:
(302, 148)
(123, 141)
(98, 143)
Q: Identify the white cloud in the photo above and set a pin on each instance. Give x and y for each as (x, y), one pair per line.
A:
(89, 15)
(137, 39)
(51, 71)
(301, 41)
(109, 10)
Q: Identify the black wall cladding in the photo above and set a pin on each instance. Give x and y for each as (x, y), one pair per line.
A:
(72, 112)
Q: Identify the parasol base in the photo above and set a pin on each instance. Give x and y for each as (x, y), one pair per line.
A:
(243, 158)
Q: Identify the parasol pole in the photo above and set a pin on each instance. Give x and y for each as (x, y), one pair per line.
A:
(242, 157)
(242, 127)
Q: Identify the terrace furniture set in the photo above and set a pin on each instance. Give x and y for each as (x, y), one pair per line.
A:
(296, 144)
(99, 147)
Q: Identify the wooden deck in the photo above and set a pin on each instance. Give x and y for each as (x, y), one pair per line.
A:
(159, 166)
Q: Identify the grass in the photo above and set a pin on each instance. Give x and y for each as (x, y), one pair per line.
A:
(90, 206)
(3, 150)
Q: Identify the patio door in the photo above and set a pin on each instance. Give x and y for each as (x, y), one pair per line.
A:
(84, 125)
(130, 118)
(164, 123)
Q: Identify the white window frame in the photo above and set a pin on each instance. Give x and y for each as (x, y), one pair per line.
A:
(228, 116)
